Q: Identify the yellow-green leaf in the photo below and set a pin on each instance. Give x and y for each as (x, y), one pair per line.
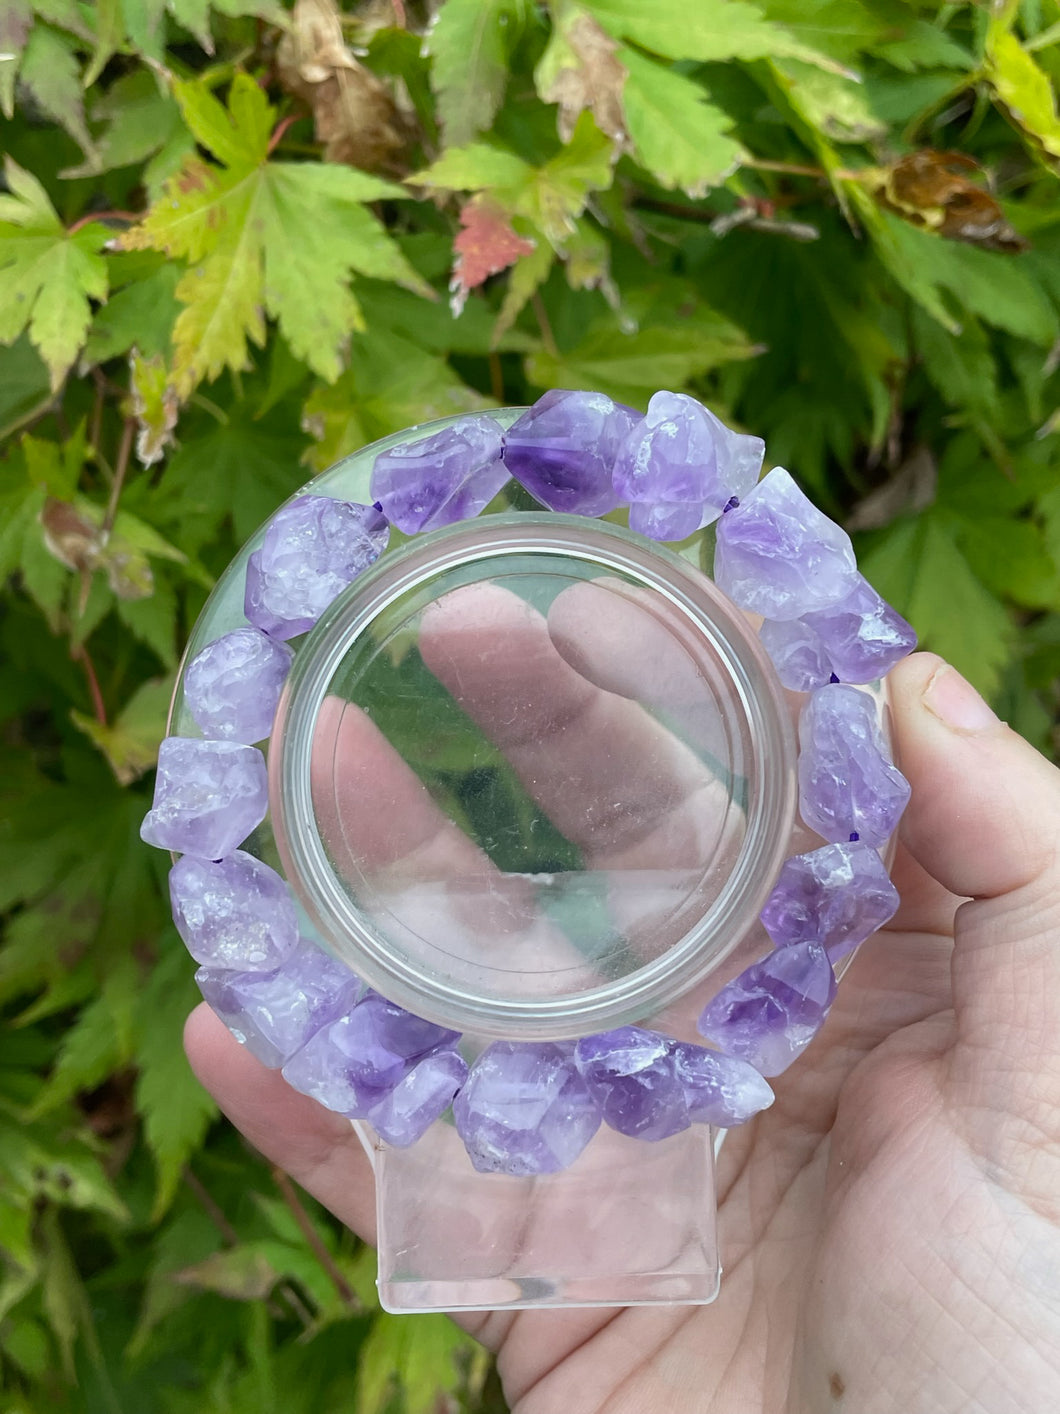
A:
(1022, 86)
(470, 42)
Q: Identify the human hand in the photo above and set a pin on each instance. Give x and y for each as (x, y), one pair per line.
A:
(890, 1229)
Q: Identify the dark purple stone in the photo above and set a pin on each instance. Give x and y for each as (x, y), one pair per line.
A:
(630, 1074)
(562, 450)
(274, 1014)
(233, 912)
(448, 476)
(233, 686)
(848, 785)
(209, 796)
(525, 1109)
(836, 896)
(313, 548)
(770, 1013)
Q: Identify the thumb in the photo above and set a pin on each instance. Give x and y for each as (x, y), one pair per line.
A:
(984, 820)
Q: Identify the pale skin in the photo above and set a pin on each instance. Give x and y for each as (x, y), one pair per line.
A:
(890, 1229)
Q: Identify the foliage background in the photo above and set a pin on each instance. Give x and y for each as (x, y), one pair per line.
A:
(233, 243)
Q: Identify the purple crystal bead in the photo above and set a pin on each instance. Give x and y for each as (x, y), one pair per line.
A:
(773, 1010)
(447, 477)
(719, 1090)
(680, 467)
(274, 1014)
(423, 1096)
(525, 1109)
(835, 896)
(563, 450)
(351, 1064)
(631, 1076)
(849, 789)
(313, 548)
(233, 686)
(779, 556)
(235, 912)
(209, 796)
(857, 640)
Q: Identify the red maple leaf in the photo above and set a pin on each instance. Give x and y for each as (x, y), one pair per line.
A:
(487, 244)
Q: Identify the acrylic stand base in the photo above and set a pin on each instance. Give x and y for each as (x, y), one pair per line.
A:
(630, 1223)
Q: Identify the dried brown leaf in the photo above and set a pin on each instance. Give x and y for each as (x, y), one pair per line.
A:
(581, 71)
(935, 191)
(354, 113)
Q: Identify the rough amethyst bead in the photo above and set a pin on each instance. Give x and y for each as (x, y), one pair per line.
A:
(423, 1096)
(351, 1064)
(849, 789)
(836, 896)
(779, 556)
(857, 640)
(235, 912)
(313, 548)
(719, 1090)
(274, 1014)
(233, 686)
(563, 450)
(209, 796)
(525, 1109)
(447, 477)
(772, 1011)
(631, 1076)
(681, 466)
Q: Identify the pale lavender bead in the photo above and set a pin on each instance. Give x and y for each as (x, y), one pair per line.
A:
(562, 450)
(438, 480)
(630, 1074)
(849, 789)
(209, 796)
(773, 1010)
(719, 1090)
(233, 686)
(835, 896)
(351, 1064)
(274, 1014)
(525, 1109)
(779, 556)
(797, 653)
(423, 1096)
(313, 548)
(680, 466)
(857, 640)
(234, 912)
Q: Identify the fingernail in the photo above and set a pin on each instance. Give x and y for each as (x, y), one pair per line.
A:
(956, 702)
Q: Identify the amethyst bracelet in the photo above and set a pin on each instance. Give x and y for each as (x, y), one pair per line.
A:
(527, 1107)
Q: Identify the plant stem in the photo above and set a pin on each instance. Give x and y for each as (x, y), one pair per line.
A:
(541, 314)
(309, 1232)
(82, 656)
(120, 469)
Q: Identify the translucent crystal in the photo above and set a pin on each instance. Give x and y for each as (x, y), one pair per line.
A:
(681, 466)
(773, 1010)
(525, 1109)
(423, 1096)
(779, 556)
(233, 686)
(274, 1014)
(719, 1090)
(350, 1065)
(209, 796)
(631, 1076)
(447, 477)
(857, 640)
(836, 896)
(313, 548)
(849, 789)
(233, 912)
(563, 450)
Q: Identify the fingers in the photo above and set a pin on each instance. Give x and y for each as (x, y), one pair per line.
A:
(984, 821)
(320, 1150)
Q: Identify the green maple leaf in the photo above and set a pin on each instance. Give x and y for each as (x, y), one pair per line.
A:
(264, 238)
(47, 273)
(470, 43)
